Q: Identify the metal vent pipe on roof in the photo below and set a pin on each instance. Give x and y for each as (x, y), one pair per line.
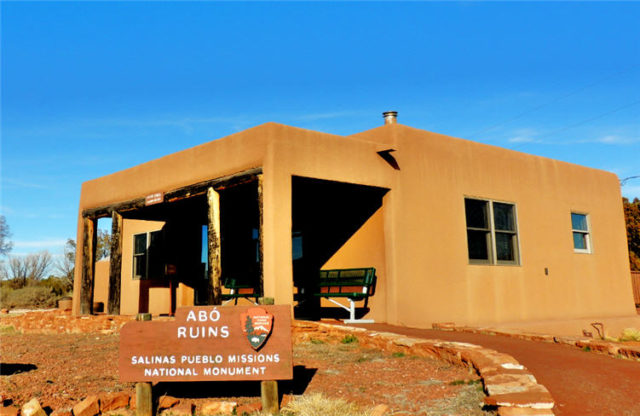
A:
(390, 117)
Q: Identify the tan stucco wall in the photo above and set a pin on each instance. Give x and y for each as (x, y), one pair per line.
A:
(130, 287)
(101, 285)
(418, 238)
(434, 280)
(365, 249)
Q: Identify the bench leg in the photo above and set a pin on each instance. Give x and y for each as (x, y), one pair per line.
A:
(352, 315)
(352, 312)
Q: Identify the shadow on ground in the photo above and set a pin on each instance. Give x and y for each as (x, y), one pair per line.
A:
(8, 369)
(202, 389)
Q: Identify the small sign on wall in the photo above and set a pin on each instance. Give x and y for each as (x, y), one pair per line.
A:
(153, 199)
(210, 343)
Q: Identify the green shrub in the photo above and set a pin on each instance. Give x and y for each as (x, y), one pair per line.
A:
(630, 334)
(58, 286)
(28, 297)
(349, 339)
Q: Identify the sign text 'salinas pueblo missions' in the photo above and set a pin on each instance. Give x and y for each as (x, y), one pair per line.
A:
(210, 343)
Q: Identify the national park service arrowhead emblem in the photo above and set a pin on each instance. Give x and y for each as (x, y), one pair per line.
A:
(256, 325)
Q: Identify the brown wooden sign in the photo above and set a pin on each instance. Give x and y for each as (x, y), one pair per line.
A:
(209, 343)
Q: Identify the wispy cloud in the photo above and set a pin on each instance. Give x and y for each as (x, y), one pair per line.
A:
(523, 139)
(95, 127)
(614, 140)
(22, 184)
(324, 116)
(524, 136)
(38, 244)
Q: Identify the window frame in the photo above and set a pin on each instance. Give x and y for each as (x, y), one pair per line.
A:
(149, 235)
(491, 230)
(585, 233)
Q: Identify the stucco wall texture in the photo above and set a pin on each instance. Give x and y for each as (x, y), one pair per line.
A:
(418, 239)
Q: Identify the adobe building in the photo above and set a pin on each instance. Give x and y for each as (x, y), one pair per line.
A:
(456, 230)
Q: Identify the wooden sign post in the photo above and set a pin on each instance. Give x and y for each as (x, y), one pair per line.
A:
(211, 343)
(144, 398)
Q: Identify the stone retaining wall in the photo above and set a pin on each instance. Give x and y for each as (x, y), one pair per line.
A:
(614, 349)
(509, 385)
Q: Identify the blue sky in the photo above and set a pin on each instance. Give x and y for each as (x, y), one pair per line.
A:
(95, 87)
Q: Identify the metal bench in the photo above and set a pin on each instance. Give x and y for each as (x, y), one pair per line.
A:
(353, 284)
(239, 290)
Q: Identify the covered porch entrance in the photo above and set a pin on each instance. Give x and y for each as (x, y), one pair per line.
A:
(181, 241)
(337, 226)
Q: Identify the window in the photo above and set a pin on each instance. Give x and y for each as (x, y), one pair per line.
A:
(492, 236)
(580, 230)
(147, 258)
(296, 245)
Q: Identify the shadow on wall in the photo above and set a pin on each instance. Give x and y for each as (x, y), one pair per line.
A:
(325, 215)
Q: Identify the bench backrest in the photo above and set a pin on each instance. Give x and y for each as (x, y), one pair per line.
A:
(349, 278)
(240, 287)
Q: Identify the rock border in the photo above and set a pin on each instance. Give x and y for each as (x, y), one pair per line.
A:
(613, 349)
(510, 387)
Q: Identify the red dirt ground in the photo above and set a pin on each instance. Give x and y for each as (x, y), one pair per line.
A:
(62, 368)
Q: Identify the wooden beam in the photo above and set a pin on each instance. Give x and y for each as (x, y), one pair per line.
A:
(178, 194)
(218, 184)
(89, 237)
(260, 236)
(214, 289)
(120, 207)
(115, 265)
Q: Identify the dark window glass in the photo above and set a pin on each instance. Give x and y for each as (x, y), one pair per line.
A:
(491, 226)
(579, 222)
(478, 245)
(296, 245)
(579, 241)
(476, 212)
(140, 256)
(505, 250)
(140, 243)
(503, 217)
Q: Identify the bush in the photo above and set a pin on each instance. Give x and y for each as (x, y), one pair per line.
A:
(59, 286)
(28, 297)
(349, 339)
(630, 334)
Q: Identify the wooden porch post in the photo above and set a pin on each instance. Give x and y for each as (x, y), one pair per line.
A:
(115, 265)
(260, 236)
(89, 237)
(214, 272)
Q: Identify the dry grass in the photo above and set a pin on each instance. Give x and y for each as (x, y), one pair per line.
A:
(318, 405)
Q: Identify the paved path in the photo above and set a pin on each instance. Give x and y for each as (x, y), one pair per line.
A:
(582, 383)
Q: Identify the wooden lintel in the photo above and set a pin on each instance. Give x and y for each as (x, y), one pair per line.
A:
(201, 188)
(115, 265)
(108, 210)
(214, 290)
(178, 194)
(89, 237)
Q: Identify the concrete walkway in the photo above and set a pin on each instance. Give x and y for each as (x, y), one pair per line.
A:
(582, 383)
